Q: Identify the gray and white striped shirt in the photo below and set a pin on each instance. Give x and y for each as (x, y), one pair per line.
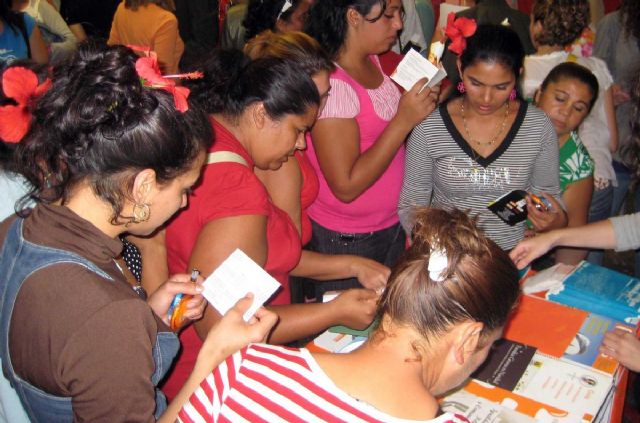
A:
(442, 170)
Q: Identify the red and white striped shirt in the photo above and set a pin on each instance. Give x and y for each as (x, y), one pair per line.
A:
(266, 383)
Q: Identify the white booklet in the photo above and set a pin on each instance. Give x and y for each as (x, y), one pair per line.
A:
(413, 67)
(235, 278)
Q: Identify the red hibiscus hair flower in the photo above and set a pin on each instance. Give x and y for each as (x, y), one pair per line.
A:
(458, 30)
(149, 71)
(21, 85)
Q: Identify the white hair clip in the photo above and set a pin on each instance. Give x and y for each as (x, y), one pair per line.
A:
(437, 264)
(286, 6)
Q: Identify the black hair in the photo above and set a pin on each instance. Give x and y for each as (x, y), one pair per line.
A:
(98, 124)
(494, 44)
(327, 21)
(219, 69)
(232, 83)
(571, 70)
(263, 14)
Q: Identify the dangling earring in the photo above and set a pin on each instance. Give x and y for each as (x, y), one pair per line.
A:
(461, 88)
(513, 94)
(141, 213)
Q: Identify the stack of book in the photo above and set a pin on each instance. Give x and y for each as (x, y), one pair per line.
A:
(600, 290)
(547, 368)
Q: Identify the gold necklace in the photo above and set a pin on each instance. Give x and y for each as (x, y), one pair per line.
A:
(500, 128)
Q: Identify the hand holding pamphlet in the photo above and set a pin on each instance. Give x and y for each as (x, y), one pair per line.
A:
(234, 279)
(414, 67)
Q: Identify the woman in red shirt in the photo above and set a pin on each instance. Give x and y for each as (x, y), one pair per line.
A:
(260, 111)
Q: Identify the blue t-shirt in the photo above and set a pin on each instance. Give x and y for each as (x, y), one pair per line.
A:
(12, 43)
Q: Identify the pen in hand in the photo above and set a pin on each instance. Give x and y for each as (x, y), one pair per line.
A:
(179, 304)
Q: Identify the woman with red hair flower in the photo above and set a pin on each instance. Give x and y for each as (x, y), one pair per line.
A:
(484, 143)
(105, 154)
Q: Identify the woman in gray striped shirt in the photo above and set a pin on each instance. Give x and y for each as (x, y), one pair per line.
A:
(485, 143)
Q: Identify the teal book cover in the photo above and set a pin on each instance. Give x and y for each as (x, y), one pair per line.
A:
(600, 290)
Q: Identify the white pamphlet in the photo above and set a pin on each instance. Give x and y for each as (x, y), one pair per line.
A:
(234, 279)
(413, 67)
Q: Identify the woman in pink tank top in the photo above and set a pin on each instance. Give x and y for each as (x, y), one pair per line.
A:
(357, 144)
(294, 186)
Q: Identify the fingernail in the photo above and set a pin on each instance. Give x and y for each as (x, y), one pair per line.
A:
(199, 288)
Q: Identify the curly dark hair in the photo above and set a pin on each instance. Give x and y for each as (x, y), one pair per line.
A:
(630, 17)
(327, 21)
(479, 281)
(562, 20)
(263, 14)
(98, 124)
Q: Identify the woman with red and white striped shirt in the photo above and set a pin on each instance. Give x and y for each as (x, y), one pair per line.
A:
(445, 304)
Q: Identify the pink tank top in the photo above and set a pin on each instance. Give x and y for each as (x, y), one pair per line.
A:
(375, 208)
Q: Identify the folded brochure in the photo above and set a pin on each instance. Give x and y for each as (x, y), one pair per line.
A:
(237, 276)
(414, 67)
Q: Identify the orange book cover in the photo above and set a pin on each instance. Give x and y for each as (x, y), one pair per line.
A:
(548, 326)
(512, 400)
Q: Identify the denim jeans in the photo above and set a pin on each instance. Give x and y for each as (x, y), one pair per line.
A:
(599, 209)
(384, 246)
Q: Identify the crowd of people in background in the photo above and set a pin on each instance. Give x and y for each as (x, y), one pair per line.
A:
(142, 139)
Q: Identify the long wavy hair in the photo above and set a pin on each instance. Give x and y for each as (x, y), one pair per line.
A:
(97, 123)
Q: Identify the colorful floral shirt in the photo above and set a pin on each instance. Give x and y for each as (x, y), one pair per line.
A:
(575, 162)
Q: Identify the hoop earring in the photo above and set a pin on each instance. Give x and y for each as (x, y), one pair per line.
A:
(141, 213)
(513, 94)
(461, 88)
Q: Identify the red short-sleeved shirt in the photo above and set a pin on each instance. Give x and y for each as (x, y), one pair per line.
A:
(228, 189)
(232, 189)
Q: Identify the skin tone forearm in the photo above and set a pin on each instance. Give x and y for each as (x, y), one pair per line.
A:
(348, 171)
(595, 235)
(39, 52)
(78, 31)
(612, 125)
(322, 267)
(354, 308)
(220, 237)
